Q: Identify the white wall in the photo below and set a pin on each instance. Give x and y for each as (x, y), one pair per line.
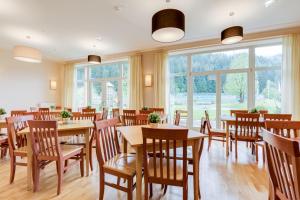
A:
(26, 84)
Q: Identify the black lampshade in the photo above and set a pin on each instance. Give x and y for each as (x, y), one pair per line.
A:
(232, 35)
(94, 59)
(168, 25)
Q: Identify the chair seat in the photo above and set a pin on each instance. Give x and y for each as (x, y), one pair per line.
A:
(179, 168)
(21, 150)
(70, 150)
(243, 138)
(121, 163)
(215, 130)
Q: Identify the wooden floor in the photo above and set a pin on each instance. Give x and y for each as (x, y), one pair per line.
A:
(220, 178)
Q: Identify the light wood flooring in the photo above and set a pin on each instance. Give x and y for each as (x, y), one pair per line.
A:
(221, 178)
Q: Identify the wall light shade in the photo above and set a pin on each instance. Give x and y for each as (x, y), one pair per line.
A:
(232, 35)
(148, 80)
(168, 25)
(27, 54)
(53, 85)
(94, 59)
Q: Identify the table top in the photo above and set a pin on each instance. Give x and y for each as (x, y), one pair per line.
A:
(71, 125)
(133, 134)
(232, 118)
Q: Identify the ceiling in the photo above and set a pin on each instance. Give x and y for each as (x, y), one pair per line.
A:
(68, 29)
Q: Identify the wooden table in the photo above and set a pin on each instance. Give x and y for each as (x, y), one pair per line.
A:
(133, 136)
(230, 121)
(74, 127)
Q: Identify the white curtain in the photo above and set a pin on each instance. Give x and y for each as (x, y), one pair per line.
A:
(291, 75)
(68, 85)
(159, 79)
(136, 82)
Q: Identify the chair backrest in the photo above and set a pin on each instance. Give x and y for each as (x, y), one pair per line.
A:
(44, 139)
(82, 116)
(171, 139)
(58, 107)
(278, 117)
(177, 118)
(208, 124)
(141, 120)
(289, 129)
(247, 125)
(116, 114)
(129, 113)
(145, 112)
(263, 112)
(44, 113)
(54, 115)
(88, 111)
(233, 112)
(14, 125)
(14, 113)
(157, 110)
(203, 125)
(129, 120)
(104, 113)
(283, 163)
(107, 144)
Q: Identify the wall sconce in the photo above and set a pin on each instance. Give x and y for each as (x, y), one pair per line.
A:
(148, 80)
(53, 85)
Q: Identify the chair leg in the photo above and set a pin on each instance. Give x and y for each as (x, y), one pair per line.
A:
(81, 163)
(91, 152)
(66, 165)
(236, 153)
(102, 178)
(230, 145)
(151, 189)
(60, 175)
(36, 175)
(209, 143)
(264, 156)
(165, 189)
(256, 152)
(146, 186)
(129, 187)
(185, 192)
(12, 169)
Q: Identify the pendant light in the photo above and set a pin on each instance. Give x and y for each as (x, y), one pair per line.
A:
(94, 59)
(27, 54)
(232, 34)
(168, 25)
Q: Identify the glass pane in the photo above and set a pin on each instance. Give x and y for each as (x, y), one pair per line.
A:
(125, 93)
(204, 98)
(233, 92)
(112, 98)
(268, 90)
(80, 97)
(96, 95)
(105, 71)
(178, 97)
(269, 56)
(125, 69)
(80, 73)
(220, 60)
(178, 64)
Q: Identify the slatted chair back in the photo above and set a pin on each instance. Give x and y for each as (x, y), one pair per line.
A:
(203, 125)
(88, 111)
(14, 113)
(141, 119)
(263, 112)
(283, 163)
(289, 129)
(233, 112)
(208, 124)
(116, 114)
(36, 115)
(145, 112)
(129, 113)
(14, 125)
(58, 107)
(104, 113)
(157, 110)
(278, 117)
(247, 126)
(130, 120)
(81, 116)
(54, 115)
(164, 164)
(177, 119)
(44, 138)
(44, 113)
(107, 144)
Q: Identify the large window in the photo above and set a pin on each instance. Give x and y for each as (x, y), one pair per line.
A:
(104, 85)
(241, 77)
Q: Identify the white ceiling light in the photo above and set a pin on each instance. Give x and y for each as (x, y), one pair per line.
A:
(268, 3)
(27, 54)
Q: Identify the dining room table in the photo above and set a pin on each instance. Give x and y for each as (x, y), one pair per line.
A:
(71, 128)
(229, 121)
(133, 136)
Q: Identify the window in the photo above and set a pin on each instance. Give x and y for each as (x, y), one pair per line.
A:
(104, 85)
(222, 80)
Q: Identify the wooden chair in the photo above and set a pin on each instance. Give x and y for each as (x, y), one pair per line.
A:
(213, 134)
(263, 112)
(88, 111)
(141, 120)
(54, 115)
(3, 145)
(233, 112)
(46, 148)
(271, 117)
(163, 168)
(177, 119)
(278, 117)
(145, 112)
(104, 113)
(127, 115)
(14, 113)
(288, 129)
(246, 129)
(44, 113)
(17, 143)
(283, 163)
(58, 107)
(111, 160)
(157, 110)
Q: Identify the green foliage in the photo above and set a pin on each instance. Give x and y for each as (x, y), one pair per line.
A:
(89, 107)
(65, 114)
(145, 108)
(2, 111)
(52, 107)
(254, 110)
(236, 84)
(154, 118)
